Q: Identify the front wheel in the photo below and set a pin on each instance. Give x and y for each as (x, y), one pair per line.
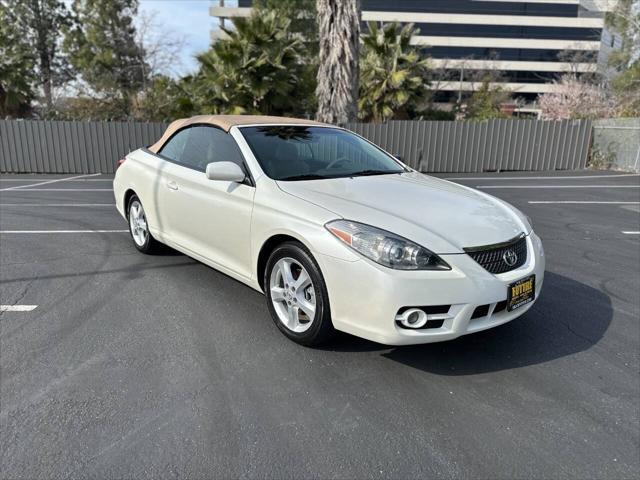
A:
(139, 228)
(297, 296)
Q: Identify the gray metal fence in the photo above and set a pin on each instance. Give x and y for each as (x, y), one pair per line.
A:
(493, 145)
(70, 147)
(431, 146)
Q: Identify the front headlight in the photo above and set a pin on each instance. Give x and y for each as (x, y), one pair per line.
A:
(385, 248)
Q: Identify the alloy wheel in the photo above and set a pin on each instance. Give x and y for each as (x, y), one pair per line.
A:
(292, 294)
(138, 223)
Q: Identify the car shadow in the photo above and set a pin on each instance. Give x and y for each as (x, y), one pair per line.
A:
(568, 318)
(166, 251)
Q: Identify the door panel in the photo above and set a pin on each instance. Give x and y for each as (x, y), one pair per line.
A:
(164, 198)
(211, 218)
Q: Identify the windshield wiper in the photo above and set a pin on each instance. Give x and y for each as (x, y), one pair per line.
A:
(308, 176)
(364, 173)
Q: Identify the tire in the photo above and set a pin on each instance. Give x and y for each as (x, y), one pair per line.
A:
(282, 298)
(139, 228)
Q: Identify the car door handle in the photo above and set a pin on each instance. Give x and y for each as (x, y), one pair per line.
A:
(172, 185)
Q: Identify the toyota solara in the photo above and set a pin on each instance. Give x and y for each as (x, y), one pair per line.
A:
(337, 233)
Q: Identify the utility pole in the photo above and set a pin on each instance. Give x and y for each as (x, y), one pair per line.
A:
(460, 86)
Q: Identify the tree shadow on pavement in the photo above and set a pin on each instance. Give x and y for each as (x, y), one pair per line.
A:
(568, 318)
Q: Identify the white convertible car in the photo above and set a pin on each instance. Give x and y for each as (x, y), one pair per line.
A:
(336, 232)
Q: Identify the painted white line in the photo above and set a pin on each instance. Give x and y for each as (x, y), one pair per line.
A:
(631, 232)
(64, 231)
(559, 177)
(49, 181)
(23, 180)
(17, 308)
(59, 190)
(57, 204)
(581, 202)
(42, 179)
(482, 187)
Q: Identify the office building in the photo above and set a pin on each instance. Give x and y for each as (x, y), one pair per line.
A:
(525, 44)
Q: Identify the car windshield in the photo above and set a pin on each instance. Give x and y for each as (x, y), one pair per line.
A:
(309, 153)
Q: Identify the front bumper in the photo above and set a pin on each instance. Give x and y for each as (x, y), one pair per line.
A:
(365, 297)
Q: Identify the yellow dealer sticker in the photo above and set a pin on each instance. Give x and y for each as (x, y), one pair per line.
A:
(521, 292)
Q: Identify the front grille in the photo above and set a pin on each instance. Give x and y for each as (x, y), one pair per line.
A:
(494, 257)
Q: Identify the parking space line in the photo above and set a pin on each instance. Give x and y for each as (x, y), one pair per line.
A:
(23, 180)
(61, 231)
(555, 186)
(546, 178)
(580, 202)
(57, 204)
(17, 308)
(627, 232)
(50, 181)
(60, 189)
(68, 180)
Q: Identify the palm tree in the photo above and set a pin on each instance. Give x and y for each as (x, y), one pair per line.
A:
(257, 69)
(392, 73)
(339, 36)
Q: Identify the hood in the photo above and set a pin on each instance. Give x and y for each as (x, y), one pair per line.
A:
(442, 216)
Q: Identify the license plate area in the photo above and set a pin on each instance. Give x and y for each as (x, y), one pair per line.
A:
(521, 292)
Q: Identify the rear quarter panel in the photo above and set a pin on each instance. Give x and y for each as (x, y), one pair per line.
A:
(142, 173)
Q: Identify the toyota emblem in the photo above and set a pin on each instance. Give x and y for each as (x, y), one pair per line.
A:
(510, 257)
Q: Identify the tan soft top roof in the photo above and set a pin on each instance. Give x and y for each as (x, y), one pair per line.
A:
(225, 122)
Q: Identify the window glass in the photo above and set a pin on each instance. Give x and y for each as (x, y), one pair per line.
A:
(175, 146)
(196, 147)
(523, 54)
(505, 31)
(473, 6)
(303, 153)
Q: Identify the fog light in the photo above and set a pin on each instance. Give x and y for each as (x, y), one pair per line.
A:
(412, 318)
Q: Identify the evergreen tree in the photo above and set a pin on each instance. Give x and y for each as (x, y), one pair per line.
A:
(624, 20)
(166, 99)
(16, 69)
(41, 23)
(102, 48)
(486, 102)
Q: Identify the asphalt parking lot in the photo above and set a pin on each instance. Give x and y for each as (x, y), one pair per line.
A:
(116, 364)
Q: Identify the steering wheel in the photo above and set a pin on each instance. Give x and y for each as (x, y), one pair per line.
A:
(336, 162)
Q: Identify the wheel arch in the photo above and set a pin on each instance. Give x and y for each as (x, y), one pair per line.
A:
(268, 246)
(127, 197)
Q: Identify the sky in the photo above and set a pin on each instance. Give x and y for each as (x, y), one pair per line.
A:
(188, 19)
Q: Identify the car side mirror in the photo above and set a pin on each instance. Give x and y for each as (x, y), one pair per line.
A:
(225, 171)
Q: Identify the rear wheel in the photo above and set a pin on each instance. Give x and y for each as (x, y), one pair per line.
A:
(139, 228)
(297, 296)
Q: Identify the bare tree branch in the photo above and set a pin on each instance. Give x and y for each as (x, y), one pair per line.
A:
(160, 46)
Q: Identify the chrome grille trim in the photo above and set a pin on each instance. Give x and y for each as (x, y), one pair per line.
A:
(490, 257)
